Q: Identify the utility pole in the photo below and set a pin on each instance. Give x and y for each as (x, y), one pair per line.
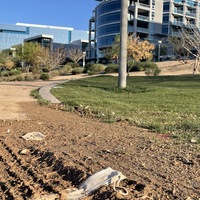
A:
(123, 45)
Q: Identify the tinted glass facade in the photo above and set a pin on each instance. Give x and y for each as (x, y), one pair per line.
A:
(11, 35)
(107, 22)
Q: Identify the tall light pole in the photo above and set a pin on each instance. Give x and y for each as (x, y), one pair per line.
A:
(84, 54)
(123, 45)
(159, 43)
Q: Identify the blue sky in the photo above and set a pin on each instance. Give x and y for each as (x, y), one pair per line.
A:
(70, 13)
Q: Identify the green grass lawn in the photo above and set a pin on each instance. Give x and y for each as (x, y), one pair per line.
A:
(164, 104)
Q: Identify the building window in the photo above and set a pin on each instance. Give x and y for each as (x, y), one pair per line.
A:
(166, 7)
(165, 29)
(165, 18)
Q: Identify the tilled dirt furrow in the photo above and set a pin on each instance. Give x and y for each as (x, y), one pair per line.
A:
(28, 182)
(13, 184)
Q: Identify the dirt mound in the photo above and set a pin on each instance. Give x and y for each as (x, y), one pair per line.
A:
(176, 67)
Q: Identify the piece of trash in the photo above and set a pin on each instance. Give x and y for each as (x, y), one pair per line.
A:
(37, 136)
(73, 194)
(102, 178)
(193, 141)
(25, 152)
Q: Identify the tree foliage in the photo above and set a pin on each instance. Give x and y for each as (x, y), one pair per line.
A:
(137, 49)
(51, 60)
(112, 53)
(29, 53)
(6, 60)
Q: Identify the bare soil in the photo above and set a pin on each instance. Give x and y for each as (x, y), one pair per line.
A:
(156, 166)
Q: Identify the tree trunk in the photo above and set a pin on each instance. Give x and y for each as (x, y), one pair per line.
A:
(123, 45)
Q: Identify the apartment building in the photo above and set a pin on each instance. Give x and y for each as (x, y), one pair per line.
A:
(153, 20)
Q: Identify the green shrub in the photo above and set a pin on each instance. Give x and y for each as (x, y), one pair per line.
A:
(77, 70)
(5, 73)
(151, 68)
(66, 69)
(14, 72)
(54, 73)
(44, 76)
(97, 68)
(20, 78)
(88, 67)
(30, 77)
(111, 68)
(134, 66)
(73, 65)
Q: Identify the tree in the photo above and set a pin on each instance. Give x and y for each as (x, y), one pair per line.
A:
(75, 54)
(112, 53)
(6, 60)
(29, 53)
(51, 60)
(190, 41)
(139, 50)
(178, 49)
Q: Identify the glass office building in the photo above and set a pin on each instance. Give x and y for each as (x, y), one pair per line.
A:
(11, 35)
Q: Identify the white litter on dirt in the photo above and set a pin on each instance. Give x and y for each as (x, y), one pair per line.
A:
(102, 178)
(37, 136)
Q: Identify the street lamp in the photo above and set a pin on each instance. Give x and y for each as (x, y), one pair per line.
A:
(159, 43)
(84, 54)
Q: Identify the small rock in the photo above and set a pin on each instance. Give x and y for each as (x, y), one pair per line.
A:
(37, 136)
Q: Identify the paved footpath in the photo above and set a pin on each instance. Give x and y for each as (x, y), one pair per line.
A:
(45, 91)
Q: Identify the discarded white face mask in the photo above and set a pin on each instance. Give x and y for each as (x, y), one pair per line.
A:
(102, 178)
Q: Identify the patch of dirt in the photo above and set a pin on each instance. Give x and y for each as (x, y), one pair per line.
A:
(74, 148)
(157, 167)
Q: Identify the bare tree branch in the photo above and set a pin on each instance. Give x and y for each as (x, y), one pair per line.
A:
(75, 54)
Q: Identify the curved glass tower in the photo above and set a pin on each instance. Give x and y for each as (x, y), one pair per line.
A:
(107, 22)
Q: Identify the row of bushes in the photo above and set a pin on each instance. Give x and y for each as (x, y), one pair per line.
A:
(12, 72)
(150, 68)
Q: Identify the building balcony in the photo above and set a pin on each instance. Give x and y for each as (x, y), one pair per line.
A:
(144, 5)
(178, 11)
(191, 3)
(177, 23)
(175, 33)
(178, 1)
(143, 18)
(142, 30)
(191, 14)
